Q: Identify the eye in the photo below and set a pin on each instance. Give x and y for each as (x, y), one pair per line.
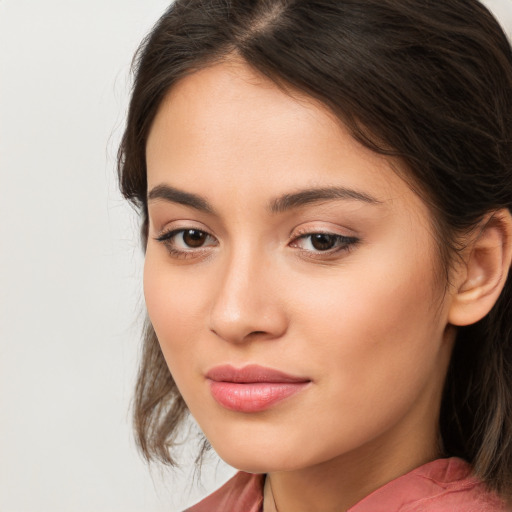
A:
(193, 238)
(183, 242)
(323, 242)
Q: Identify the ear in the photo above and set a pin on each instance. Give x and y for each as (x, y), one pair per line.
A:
(484, 272)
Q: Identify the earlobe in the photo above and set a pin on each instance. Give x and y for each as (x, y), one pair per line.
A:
(485, 270)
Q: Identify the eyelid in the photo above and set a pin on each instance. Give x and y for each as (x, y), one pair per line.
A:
(170, 233)
(348, 240)
(330, 229)
(345, 243)
(180, 249)
(164, 224)
(167, 235)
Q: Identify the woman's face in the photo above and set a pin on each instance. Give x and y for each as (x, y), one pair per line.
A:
(290, 277)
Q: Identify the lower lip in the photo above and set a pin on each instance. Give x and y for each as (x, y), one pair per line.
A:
(253, 396)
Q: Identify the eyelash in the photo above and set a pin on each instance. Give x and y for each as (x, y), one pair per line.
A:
(341, 243)
(166, 238)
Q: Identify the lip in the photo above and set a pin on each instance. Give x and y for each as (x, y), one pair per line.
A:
(252, 388)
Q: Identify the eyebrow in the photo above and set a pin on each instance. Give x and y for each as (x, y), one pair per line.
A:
(279, 205)
(175, 195)
(316, 195)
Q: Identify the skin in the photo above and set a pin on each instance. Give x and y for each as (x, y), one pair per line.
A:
(367, 322)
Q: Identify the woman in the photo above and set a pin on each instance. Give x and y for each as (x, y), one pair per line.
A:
(325, 189)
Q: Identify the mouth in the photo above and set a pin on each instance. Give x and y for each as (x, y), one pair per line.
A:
(252, 388)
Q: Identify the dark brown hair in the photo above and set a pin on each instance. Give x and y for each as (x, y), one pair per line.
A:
(425, 81)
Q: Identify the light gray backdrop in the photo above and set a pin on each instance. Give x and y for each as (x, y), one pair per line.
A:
(70, 264)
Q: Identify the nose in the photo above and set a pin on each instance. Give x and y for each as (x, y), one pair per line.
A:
(247, 303)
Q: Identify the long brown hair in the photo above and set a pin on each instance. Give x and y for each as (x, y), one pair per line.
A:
(429, 82)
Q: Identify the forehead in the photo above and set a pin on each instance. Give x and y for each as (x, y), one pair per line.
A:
(228, 105)
(227, 131)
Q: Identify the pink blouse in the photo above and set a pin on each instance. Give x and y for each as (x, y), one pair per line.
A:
(444, 485)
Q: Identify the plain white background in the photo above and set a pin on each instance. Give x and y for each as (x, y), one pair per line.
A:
(70, 264)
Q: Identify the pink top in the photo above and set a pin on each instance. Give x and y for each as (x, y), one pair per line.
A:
(444, 485)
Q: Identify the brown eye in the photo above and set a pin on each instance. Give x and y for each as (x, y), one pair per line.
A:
(194, 238)
(323, 241)
(329, 243)
(185, 241)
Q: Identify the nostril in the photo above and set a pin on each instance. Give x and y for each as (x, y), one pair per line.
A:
(255, 333)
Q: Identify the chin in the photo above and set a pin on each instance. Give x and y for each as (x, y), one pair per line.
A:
(246, 455)
(261, 456)
(257, 463)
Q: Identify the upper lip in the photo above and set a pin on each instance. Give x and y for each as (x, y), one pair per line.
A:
(252, 373)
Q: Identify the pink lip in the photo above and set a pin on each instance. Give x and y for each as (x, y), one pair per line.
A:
(252, 388)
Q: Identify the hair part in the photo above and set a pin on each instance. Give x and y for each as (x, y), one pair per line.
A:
(427, 83)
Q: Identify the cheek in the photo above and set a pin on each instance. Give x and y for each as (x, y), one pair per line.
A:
(174, 309)
(377, 335)
(372, 299)
(177, 314)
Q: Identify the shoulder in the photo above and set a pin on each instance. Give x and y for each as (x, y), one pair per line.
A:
(454, 488)
(243, 492)
(444, 485)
